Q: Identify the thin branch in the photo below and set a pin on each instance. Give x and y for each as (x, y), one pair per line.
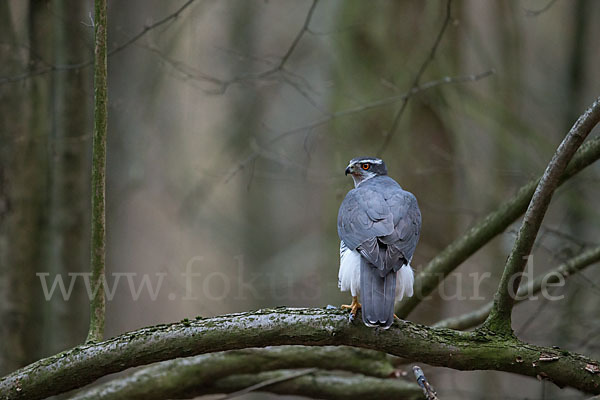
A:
(355, 110)
(269, 382)
(327, 385)
(187, 72)
(296, 40)
(98, 241)
(428, 391)
(576, 240)
(536, 13)
(565, 270)
(424, 65)
(280, 67)
(485, 230)
(221, 85)
(500, 316)
(171, 379)
(150, 27)
(479, 350)
(73, 67)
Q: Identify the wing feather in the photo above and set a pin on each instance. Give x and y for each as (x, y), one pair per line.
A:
(381, 221)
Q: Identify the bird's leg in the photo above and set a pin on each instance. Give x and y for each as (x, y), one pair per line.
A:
(353, 307)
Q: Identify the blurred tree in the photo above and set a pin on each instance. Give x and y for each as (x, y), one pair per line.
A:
(23, 171)
(45, 180)
(246, 110)
(67, 237)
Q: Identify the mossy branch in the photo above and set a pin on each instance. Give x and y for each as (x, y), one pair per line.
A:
(98, 242)
(224, 372)
(574, 265)
(324, 385)
(485, 230)
(479, 350)
(504, 300)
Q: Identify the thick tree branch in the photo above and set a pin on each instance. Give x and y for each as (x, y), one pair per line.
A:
(565, 270)
(195, 376)
(485, 230)
(98, 244)
(500, 316)
(325, 385)
(315, 327)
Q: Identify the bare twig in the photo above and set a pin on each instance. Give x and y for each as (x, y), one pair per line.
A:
(428, 391)
(150, 27)
(84, 64)
(354, 110)
(279, 68)
(576, 240)
(500, 316)
(269, 382)
(98, 241)
(415, 84)
(565, 270)
(296, 40)
(188, 72)
(535, 13)
(221, 85)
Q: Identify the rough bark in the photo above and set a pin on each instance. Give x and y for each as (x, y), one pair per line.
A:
(481, 350)
(98, 242)
(324, 385)
(224, 372)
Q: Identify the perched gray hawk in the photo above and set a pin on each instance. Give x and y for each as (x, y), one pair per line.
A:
(379, 225)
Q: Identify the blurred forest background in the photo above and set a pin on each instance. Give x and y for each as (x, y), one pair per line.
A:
(229, 130)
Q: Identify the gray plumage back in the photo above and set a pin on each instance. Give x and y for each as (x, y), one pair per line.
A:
(379, 212)
(382, 222)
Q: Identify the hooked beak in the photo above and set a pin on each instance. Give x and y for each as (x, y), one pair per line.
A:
(349, 170)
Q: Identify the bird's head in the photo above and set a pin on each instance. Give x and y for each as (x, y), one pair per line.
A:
(363, 168)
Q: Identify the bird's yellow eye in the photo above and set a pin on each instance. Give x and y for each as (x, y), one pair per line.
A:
(365, 166)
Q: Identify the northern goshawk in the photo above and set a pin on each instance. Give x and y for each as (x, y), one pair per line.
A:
(378, 225)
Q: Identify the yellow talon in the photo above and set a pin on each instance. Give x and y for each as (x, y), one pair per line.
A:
(353, 307)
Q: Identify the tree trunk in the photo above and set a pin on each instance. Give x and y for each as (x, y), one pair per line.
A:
(23, 163)
(67, 238)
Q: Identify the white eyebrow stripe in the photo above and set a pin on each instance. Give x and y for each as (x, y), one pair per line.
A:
(370, 160)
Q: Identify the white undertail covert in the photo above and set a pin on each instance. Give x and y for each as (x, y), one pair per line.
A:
(349, 275)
